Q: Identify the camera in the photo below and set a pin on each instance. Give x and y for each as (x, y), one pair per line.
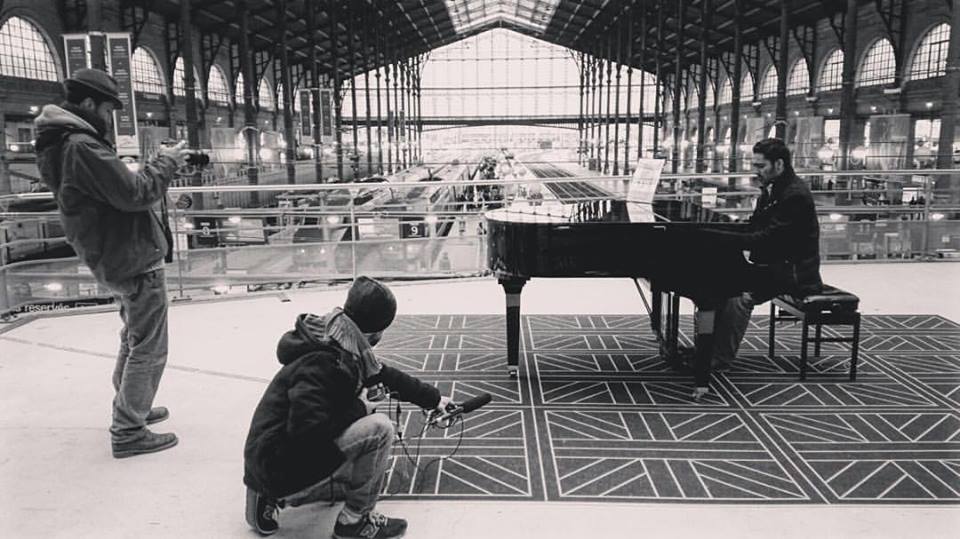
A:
(197, 158)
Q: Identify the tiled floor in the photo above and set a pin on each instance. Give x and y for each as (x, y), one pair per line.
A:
(594, 418)
(597, 416)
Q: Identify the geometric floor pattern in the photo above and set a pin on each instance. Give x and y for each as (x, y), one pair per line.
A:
(596, 415)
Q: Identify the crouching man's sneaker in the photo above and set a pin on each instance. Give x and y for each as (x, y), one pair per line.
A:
(151, 442)
(262, 513)
(373, 525)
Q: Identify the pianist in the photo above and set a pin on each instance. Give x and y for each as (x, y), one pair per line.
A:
(783, 241)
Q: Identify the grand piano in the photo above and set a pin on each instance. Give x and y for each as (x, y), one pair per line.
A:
(583, 229)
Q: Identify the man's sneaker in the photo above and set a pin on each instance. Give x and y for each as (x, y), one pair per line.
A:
(373, 525)
(262, 513)
(157, 415)
(151, 442)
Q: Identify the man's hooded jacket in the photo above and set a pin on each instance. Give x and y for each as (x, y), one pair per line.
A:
(108, 212)
(291, 444)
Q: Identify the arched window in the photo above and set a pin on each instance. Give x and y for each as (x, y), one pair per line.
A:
(179, 89)
(280, 96)
(746, 88)
(711, 96)
(930, 59)
(798, 81)
(147, 76)
(238, 90)
(831, 75)
(265, 99)
(726, 92)
(24, 53)
(768, 88)
(217, 90)
(878, 66)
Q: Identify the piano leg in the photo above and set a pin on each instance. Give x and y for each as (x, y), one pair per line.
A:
(666, 306)
(703, 346)
(512, 289)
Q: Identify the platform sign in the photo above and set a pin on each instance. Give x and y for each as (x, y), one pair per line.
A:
(110, 52)
(413, 229)
(326, 112)
(376, 228)
(306, 120)
(125, 120)
(77, 47)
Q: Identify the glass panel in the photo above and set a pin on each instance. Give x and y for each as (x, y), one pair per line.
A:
(878, 66)
(238, 91)
(265, 99)
(179, 89)
(798, 82)
(146, 73)
(468, 15)
(769, 86)
(746, 88)
(726, 92)
(831, 76)
(24, 52)
(217, 90)
(930, 60)
(501, 72)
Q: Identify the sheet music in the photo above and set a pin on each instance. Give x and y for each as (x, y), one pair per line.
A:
(643, 184)
(641, 188)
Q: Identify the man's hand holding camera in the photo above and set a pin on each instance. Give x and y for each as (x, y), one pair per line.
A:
(176, 151)
(179, 152)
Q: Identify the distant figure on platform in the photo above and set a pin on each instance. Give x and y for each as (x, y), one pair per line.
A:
(110, 217)
(923, 154)
(784, 244)
(315, 436)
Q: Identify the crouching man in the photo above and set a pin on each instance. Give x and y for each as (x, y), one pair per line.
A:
(313, 436)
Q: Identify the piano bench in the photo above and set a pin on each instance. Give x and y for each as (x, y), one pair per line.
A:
(831, 307)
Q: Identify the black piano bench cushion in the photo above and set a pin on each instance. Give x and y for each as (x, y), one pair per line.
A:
(832, 299)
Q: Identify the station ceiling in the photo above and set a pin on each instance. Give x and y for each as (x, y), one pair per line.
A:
(385, 29)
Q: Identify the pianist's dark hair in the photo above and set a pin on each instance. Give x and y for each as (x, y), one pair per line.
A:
(772, 149)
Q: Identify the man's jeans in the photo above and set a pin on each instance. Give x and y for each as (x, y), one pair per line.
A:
(358, 481)
(142, 356)
(730, 325)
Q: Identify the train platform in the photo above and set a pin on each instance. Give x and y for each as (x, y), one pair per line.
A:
(58, 479)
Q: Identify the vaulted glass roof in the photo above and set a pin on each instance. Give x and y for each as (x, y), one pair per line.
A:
(534, 15)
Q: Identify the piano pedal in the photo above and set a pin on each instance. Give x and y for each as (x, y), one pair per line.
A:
(512, 372)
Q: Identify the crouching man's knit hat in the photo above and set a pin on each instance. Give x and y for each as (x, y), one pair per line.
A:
(370, 304)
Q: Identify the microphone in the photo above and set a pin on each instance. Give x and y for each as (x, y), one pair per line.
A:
(453, 410)
(470, 405)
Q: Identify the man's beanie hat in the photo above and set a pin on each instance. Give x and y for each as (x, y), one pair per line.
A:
(96, 81)
(370, 304)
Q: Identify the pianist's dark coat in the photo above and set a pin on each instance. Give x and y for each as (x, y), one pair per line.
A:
(783, 238)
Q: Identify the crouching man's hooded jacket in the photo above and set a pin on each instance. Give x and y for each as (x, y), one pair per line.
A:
(308, 404)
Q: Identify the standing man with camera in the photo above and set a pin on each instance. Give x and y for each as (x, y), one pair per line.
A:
(115, 220)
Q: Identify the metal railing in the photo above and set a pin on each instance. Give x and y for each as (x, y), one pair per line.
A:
(267, 248)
